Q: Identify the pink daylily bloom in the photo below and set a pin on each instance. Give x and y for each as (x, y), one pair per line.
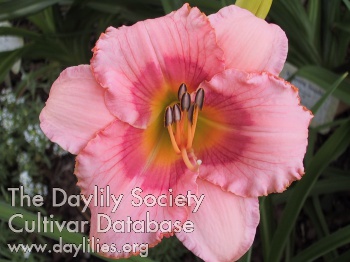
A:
(182, 103)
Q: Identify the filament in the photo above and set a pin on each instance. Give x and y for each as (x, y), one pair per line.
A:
(173, 141)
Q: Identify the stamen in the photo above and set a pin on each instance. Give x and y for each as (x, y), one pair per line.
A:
(199, 99)
(193, 168)
(177, 119)
(195, 119)
(182, 133)
(191, 125)
(189, 136)
(190, 113)
(177, 112)
(185, 101)
(173, 141)
(168, 121)
(168, 117)
(182, 90)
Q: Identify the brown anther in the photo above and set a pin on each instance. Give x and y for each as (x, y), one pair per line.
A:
(185, 101)
(199, 99)
(191, 112)
(176, 113)
(168, 117)
(182, 91)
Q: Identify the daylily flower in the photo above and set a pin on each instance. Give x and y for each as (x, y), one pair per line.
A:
(183, 103)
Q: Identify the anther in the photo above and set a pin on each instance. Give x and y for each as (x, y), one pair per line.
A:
(199, 99)
(182, 90)
(168, 121)
(176, 112)
(168, 118)
(185, 101)
(191, 112)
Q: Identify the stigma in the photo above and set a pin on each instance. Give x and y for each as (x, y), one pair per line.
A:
(181, 121)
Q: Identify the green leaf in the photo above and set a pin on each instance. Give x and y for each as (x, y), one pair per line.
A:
(293, 19)
(264, 9)
(171, 5)
(14, 31)
(330, 91)
(325, 245)
(247, 256)
(331, 47)
(260, 8)
(44, 20)
(347, 3)
(314, 14)
(324, 186)
(331, 149)
(319, 215)
(51, 69)
(128, 10)
(266, 224)
(336, 173)
(7, 59)
(8, 211)
(325, 78)
(310, 147)
(344, 27)
(323, 223)
(167, 6)
(106, 7)
(251, 6)
(330, 124)
(343, 257)
(20, 8)
(208, 7)
(314, 210)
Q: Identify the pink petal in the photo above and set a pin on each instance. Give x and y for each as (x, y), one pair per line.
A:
(249, 43)
(141, 64)
(75, 110)
(224, 225)
(260, 133)
(117, 158)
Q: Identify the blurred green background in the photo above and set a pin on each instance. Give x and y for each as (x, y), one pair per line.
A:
(308, 222)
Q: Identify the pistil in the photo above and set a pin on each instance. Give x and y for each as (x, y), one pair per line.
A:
(187, 161)
(182, 117)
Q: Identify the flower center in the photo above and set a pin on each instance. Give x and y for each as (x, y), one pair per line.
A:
(181, 121)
